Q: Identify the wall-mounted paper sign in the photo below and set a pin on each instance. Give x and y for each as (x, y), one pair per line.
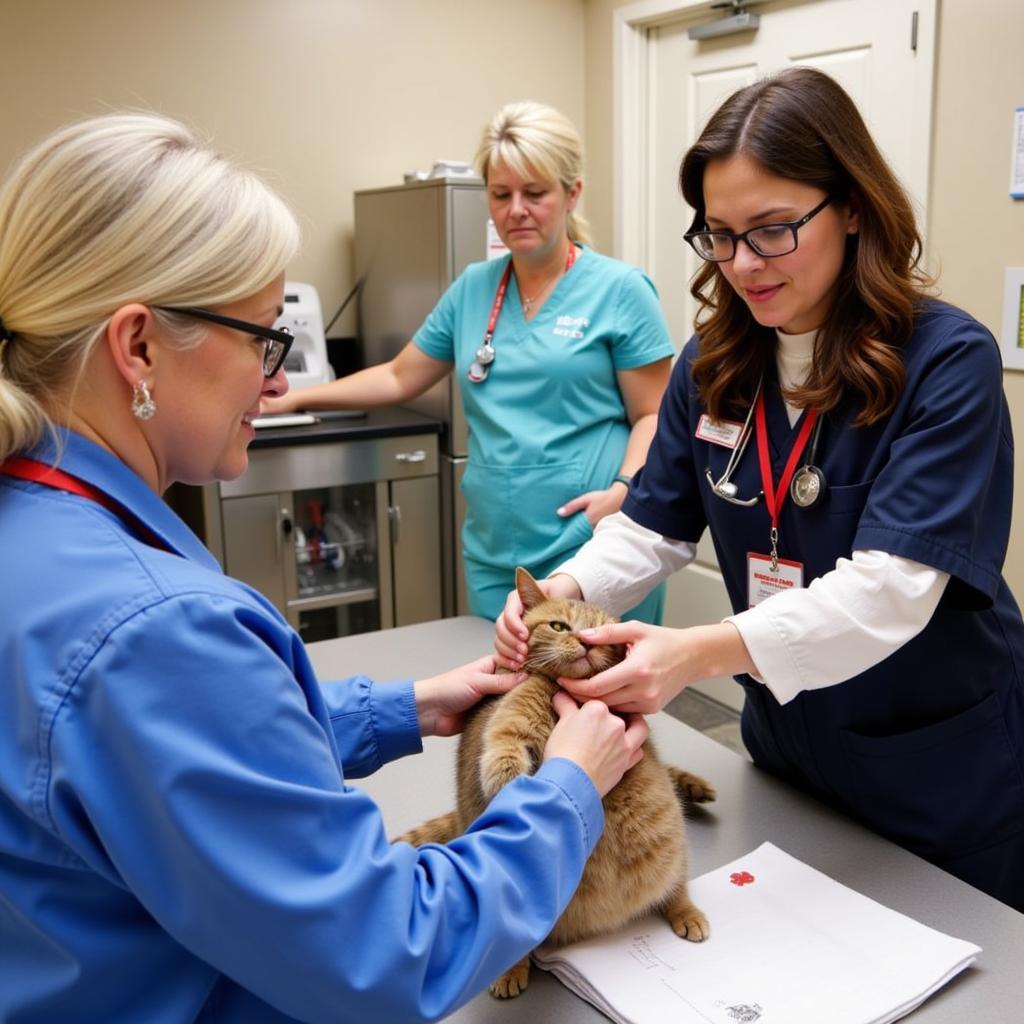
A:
(1012, 342)
(1017, 158)
(496, 248)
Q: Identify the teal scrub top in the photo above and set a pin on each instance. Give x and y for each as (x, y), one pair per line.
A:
(549, 422)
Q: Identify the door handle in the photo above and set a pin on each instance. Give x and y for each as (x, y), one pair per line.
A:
(395, 519)
(419, 455)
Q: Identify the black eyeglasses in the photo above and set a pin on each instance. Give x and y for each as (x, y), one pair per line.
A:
(768, 240)
(276, 342)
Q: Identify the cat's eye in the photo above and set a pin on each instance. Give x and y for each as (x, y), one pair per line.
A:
(559, 627)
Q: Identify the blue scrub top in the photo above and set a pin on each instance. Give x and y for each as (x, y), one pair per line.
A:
(549, 423)
(178, 836)
(927, 746)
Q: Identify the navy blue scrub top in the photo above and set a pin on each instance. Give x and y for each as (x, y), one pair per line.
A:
(915, 744)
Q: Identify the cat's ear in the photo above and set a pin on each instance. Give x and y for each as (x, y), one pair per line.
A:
(526, 586)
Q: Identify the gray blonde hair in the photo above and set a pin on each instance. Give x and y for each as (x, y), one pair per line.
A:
(110, 210)
(533, 138)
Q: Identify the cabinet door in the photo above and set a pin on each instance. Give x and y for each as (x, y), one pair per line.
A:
(415, 517)
(254, 543)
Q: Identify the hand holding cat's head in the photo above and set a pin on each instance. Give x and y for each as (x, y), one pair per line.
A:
(555, 647)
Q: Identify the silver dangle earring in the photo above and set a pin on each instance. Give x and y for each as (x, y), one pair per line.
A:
(143, 406)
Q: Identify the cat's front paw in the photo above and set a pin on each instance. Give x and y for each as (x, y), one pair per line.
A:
(496, 772)
(513, 982)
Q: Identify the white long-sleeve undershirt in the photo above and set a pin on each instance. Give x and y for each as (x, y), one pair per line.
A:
(843, 623)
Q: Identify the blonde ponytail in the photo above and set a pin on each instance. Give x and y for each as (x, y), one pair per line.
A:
(22, 419)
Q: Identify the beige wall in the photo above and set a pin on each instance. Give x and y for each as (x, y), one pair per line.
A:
(322, 96)
(976, 230)
(979, 83)
(599, 123)
(329, 96)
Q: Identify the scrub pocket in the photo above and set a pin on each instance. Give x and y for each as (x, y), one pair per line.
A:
(948, 789)
(843, 501)
(511, 516)
(840, 519)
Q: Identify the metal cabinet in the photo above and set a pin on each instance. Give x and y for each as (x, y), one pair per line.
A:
(343, 537)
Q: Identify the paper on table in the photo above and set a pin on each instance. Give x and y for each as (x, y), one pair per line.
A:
(284, 419)
(788, 946)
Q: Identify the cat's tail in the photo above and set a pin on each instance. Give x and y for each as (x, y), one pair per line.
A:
(438, 830)
(691, 789)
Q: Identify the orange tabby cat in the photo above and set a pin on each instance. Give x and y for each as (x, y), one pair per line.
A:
(640, 861)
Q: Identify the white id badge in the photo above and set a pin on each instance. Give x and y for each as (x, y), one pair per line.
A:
(722, 432)
(763, 583)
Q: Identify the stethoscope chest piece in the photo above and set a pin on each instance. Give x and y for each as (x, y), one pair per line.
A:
(807, 486)
(481, 365)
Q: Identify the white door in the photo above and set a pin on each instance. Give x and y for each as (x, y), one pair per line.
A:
(865, 44)
(881, 51)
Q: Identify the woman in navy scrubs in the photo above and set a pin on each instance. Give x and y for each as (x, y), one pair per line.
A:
(845, 439)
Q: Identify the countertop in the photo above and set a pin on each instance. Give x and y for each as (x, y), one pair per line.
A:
(752, 807)
(374, 423)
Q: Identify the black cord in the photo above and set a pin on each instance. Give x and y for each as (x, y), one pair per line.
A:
(341, 308)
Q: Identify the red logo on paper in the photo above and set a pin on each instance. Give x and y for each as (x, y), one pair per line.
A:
(741, 878)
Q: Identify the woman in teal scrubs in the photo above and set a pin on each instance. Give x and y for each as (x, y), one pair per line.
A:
(561, 355)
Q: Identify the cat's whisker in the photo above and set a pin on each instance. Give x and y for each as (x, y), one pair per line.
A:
(552, 660)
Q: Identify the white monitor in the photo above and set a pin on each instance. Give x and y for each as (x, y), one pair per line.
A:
(306, 363)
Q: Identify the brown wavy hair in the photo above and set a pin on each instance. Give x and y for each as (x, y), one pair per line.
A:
(800, 124)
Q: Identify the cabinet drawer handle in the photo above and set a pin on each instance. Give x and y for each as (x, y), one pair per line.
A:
(284, 531)
(417, 456)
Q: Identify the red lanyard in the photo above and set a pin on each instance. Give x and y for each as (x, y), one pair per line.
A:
(50, 476)
(499, 301)
(774, 499)
(499, 295)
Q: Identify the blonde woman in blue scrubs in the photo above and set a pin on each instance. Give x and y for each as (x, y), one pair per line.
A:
(561, 355)
(181, 833)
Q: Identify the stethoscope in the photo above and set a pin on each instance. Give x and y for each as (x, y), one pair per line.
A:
(481, 365)
(806, 488)
(485, 354)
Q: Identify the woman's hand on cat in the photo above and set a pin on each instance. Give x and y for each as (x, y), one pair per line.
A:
(510, 635)
(659, 663)
(605, 745)
(442, 701)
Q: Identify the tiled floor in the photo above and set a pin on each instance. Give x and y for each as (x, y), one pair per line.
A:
(709, 717)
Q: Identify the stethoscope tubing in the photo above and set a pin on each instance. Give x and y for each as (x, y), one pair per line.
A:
(725, 489)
